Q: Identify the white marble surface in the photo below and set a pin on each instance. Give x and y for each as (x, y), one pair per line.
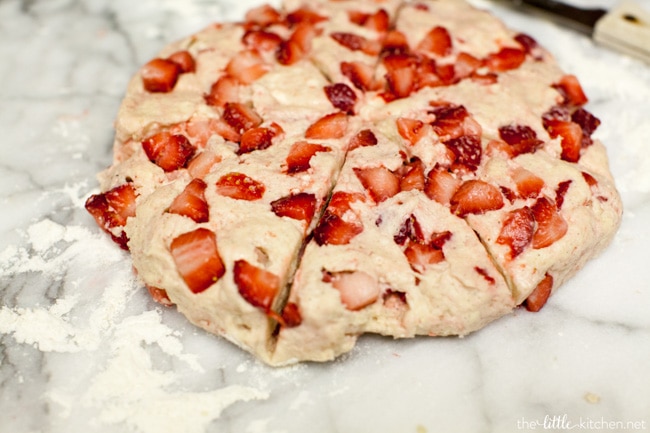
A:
(84, 349)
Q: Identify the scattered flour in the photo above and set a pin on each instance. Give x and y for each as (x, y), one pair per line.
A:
(126, 390)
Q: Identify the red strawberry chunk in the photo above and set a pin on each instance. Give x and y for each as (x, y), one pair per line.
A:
(364, 138)
(551, 226)
(300, 156)
(421, 256)
(340, 202)
(357, 289)
(257, 286)
(467, 151)
(528, 184)
(380, 182)
(341, 96)
(160, 75)
(202, 164)
(261, 40)
(184, 61)
(289, 52)
(506, 59)
(411, 129)
(240, 187)
(300, 206)
(291, 316)
(517, 230)
(225, 89)
(304, 15)
(169, 151)
(537, 299)
(334, 230)
(476, 197)
(263, 16)
(529, 44)
(571, 135)
(197, 259)
(412, 176)
(360, 75)
(466, 64)
(191, 202)
(571, 90)
(258, 138)
(441, 185)
(247, 66)
(409, 230)
(111, 209)
(560, 192)
(241, 116)
(588, 123)
(159, 295)
(355, 42)
(395, 42)
(379, 21)
(333, 125)
(436, 41)
(521, 138)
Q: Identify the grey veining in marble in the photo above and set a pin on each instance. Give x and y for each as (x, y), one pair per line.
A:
(84, 349)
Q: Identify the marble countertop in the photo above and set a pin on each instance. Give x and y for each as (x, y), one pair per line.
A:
(84, 349)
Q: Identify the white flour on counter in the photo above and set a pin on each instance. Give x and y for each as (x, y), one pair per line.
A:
(126, 387)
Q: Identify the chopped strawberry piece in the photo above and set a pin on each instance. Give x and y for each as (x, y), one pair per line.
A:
(333, 125)
(485, 79)
(289, 52)
(571, 135)
(476, 197)
(509, 194)
(358, 289)
(409, 230)
(400, 76)
(571, 90)
(304, 15)
(466, 65)
(202, 164)
(225, 89)
(257, 286)
(421, 256)
(159, 295)
(111, 209)
(197, 259)
(537, 299)
(528, 184)
(191, 202)
(379, 21)
(551, 226)
(221, 127)
(588, 123)
(517, 230)
(258, 138)
(560, 192)
(291, 316)
(246, 66)
(412, 176)
(591, 181)
(169, 151)
(184, 61)
(380, 182)
(395, 42)
(506, 59)
(360, 75)
(441, 185)
(355, 42)
(341, 96)
(521, 138)
(300, 206)
(261, 40)
(450, 121)
(334, 230)
(558, 112)
(300, 156)
(357, 17)
(160, 75)
(411, 129)
(484, 273)
(240, 187)
(263, 16)
(436, 41)
(467, 151)
(527, 42)
(364, 138)
(340, 202)
(240, 116)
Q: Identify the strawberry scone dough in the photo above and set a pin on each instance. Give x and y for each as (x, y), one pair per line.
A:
(334, 168)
